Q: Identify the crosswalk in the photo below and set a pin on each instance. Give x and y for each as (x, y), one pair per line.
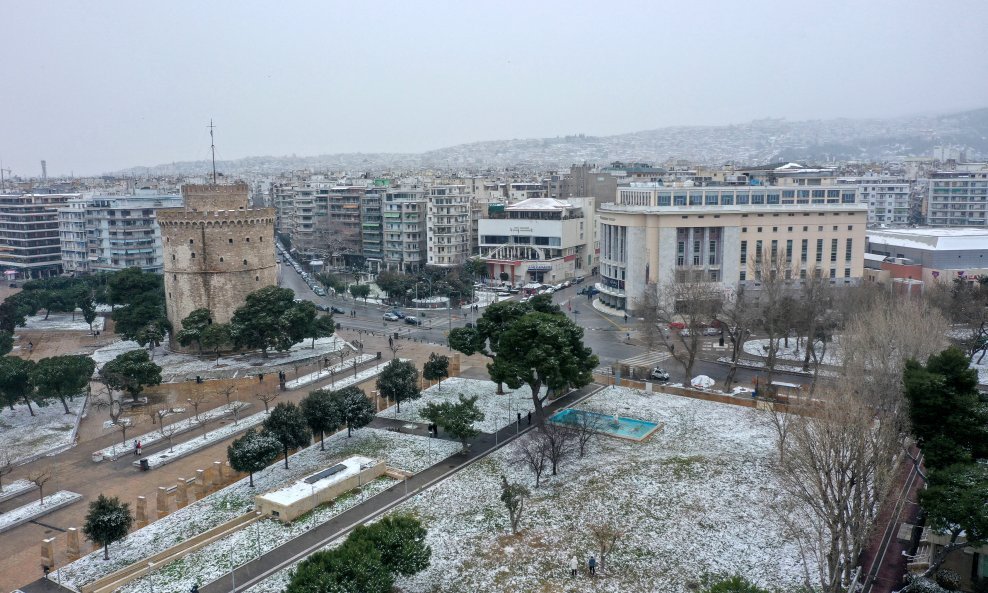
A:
(646, 359)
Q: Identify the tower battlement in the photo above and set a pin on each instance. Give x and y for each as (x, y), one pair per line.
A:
(215, 197)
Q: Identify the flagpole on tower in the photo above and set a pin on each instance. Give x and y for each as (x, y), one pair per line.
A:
(212, 146)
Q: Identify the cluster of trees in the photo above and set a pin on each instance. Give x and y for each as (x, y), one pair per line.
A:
(55, 377)
(432, 281)
(368, 561)
(531, 344)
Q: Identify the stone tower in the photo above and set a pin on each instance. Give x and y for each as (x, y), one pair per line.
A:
(217, 250)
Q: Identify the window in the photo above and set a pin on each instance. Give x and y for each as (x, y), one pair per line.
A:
(744, 229)
(773, 198)
(775, 249)
(245, 262)
(712, 253)
(833, 250)
(664, 199)
(805, 229)
(802, 274)
(759, 229)
(710, 199)
(744, 252)
(257, 278)
(231, 240)
(789, 250)
(775, 229)
(247, 239)
(819, 250)
(757, 198)
(835, 227)
(679, 199)
(173, 257)
(833, 273)
(714, 275)
(805, 250)
(193, 255)
(790, 229)
(847, 272)
(191, 241)
(850, 227)
(758, 252)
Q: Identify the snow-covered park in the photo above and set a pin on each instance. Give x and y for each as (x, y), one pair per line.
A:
(35, 509)
(62, 322)
(695, 498)
(796, 350)
(499, 410)
(181, 367)
(401, 451)
(49, 431)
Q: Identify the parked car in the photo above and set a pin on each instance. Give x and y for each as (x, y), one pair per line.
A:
(711, 331)
(319, 291)
(413, 320)
(512, 290)
(567, 284)
(659, 374)
(337, 311)
(677, 325)
(322, 307)
(391, 317)
(549, 290)
(397, 313)
(580, 279)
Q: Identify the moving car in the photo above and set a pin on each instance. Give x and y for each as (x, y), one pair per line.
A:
(659, 374)
(413, 320)
(398, 314)
(391, 317)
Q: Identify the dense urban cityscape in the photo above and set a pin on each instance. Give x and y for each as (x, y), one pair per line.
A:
(743, 350)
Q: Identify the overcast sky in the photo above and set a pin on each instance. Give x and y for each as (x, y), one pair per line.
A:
(99, 86)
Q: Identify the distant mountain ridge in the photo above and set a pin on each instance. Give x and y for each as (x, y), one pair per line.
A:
(755, 142)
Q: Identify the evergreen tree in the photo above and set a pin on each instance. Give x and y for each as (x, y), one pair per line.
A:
(456, 419)
(354, 567)
(15, 382)
(131, 372)
(436, 368)
(62, 376)
(286, 423)
(400, 540)
(108, 521)
(253, 452)
(354, 409)
(322, 414)
(192, 327)
(398, 381)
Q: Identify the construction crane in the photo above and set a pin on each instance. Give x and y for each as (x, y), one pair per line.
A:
(3, 186)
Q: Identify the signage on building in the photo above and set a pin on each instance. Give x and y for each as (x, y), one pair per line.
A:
(520, 229)
(539, 267)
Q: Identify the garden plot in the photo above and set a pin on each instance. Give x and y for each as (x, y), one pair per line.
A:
(212, 437)
(499, 410)
(62, 322)
(398, 450)
(339, 369)
(697, 497)
(48, 432)
(15, 489)
(33, 510)
(182, 367)
(795, 351)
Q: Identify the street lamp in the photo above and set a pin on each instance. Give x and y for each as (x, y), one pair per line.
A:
(449, 314)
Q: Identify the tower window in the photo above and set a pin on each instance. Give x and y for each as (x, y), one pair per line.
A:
(191, 241)
(247, 239)
(261, 239)
(245, 262)
(221, 259)
(231, 240)
(173, 257)
(193, 256)
(257, 278)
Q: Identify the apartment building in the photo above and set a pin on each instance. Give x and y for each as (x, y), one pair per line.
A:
(372, 227)
(404, 217)
(958, 198)
(29, 241)
(889, 199)
(654, 235)
(448, 225)
(108, 233)
(542, 240)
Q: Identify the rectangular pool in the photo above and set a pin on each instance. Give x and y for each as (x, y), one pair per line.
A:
(615, 426)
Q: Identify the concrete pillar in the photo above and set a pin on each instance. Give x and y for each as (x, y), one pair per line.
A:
(219, 473)
(163, 506)
(202, 488)
(181, 494)
(141, 511)
(454, 365)
(48, 552)
(72, 543)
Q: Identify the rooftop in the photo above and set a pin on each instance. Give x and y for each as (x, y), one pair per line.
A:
(540, 204)
(318, 481)
(952, 239)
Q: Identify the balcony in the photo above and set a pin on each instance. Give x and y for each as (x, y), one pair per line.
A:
(610, 290)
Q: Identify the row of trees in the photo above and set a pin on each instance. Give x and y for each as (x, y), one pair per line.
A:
(432, 281)
(55, 377)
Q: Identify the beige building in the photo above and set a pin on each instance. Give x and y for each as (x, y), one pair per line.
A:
(289, 502)
(216, 252)
(654, 235)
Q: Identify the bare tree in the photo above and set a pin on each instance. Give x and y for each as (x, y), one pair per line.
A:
(267, 398)
(531, 450)
(343, 353)
(228, 392)
(606, 535)
(737, 319)
(814, 318)
(197, 401)
(558, 441)
(689, 305)
(236, 406)
(355, 362)
(772, 272)
(585, 429)
(39, 478)
(395, 347)
(6, 465)
(167, 431)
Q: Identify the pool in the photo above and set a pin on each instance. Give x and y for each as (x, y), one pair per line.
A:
(615, 426)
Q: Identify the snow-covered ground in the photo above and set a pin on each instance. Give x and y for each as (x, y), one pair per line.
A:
(795, 351)
(62, 322)
(181, 367)
(49, 431)
(149, 438)
(35, 509)
(499, 410)
(339, 369)
(398, 450)
(179, 450)
(697, 497)
(15, 488)
(981, 368)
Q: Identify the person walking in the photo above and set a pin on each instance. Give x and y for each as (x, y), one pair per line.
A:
(529, 417)
(30, 347)
(574, 566)
(135, 447)
(592, 565)
(519, 418)
(626, 318)
(138, 448)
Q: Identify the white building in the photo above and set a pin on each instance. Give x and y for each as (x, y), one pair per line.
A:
(958, 198)
(403, 213)
(541, 240)
(448, 225)
(888, 199)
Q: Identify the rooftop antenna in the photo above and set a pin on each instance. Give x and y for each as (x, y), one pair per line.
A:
(212, 146)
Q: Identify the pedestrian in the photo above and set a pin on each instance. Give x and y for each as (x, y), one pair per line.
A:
(138, 448)
(135, 447)
(592, 565)
(30, 347)
(260, 377)
(626, 318)
(529, 417)
(519, 418)
(574, 565)
(195, 588)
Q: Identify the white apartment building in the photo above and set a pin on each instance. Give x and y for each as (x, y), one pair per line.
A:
(448, 225)
(889, 199)
(404, 218)
(108, 233)
(655, 235)
(29, 242)
(958, 198)
(542, 240)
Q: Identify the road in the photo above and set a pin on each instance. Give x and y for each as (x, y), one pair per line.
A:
(606, 335)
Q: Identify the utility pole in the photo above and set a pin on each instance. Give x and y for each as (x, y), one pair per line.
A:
(212, 146)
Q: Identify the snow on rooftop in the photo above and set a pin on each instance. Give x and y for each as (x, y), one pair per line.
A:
(296, 491)
(540, 204)
(952, 239)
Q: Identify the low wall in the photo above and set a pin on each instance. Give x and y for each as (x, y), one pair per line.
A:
(781, 403)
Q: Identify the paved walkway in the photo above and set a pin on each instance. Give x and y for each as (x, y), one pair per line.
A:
(271, 562)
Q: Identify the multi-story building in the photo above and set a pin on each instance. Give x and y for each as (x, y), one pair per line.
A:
(655, 235)
(404, 218)
(338, 223)
(958, 198)
(917, 257)
(371, 231)
(888, 198)
(542, 240)
(520, 191)
(29, 242)
(108, 233)
(448, 225)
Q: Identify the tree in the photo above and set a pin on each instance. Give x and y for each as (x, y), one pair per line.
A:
(286, 423)
(16, 382)
(62, 376)
(732, 584)
(215, 337)
(253, 452)
(543, 349)
(513, 496)
(955, 504)
(737, 318)
(354, 567)
(456, 419)
(6, 465)
(606, 535)
(585, 428)
(270, 318)
(107, 521)
(39, 478)
(773, 271)
(134, 285)
(531, 450)
(151, 335)
(321, 326)
(322, 414)
(436, 368)
(192, 327)
(132, 321)
(400, 541)
(6, 342)
(694, 305)
(359, 291)
(398, 382)
(486, 335)
(267, 398)
(558, 442)
(88, 307)
(355, 410)
(131, 372)
(14, 312)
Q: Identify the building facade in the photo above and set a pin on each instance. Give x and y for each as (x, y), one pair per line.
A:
(109, 233)
(655, 235)
(29, 236)
(216, 252)
(888, 199)
(542, 240)
(928, 255)
(371, 229)
(404, 218)
(957, 198)
(448, 226)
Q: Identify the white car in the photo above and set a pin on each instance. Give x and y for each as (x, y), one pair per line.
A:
(550, 290)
